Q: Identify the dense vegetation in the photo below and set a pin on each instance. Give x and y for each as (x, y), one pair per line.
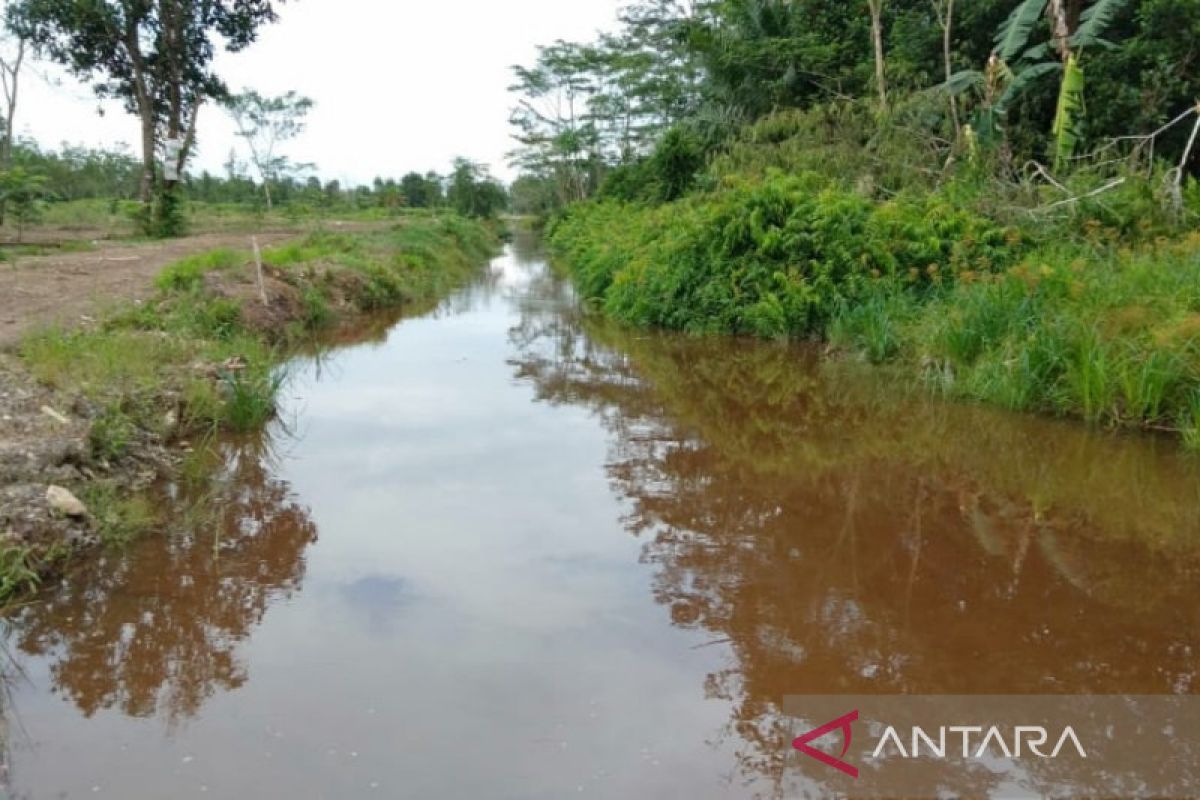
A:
(912, 181)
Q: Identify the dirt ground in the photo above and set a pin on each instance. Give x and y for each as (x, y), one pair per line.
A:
(74, 287)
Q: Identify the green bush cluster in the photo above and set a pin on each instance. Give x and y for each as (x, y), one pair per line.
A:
(773, 257)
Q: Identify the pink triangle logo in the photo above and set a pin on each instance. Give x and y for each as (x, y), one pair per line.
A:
(842, 723)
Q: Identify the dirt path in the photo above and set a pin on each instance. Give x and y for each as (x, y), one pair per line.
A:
(70, 288)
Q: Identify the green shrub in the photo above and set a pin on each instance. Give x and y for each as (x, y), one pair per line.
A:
(772, 257)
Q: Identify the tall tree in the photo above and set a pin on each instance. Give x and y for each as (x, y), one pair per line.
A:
(265, 122)
(420, 191)
(472, 192)
(154, 55)
(557, 132)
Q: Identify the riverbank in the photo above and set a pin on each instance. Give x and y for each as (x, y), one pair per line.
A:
(1072, 317)
(94, 415)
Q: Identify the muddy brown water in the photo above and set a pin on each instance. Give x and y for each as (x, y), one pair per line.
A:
(502, 551)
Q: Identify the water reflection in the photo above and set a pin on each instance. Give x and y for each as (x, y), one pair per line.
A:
(156, 629)
(843, 535)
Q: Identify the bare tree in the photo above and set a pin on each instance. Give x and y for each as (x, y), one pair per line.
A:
(264, 122)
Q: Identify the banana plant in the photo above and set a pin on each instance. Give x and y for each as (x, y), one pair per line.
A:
(1015, 65)
(1068, 112)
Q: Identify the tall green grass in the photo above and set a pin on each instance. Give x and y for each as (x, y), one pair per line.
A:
(1113, 338)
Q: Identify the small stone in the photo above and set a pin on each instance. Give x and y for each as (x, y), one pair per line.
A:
(64, 502)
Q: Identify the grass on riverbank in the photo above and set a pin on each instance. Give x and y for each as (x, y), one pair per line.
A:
(1113, 339)
(204, 356)
(1029, 318)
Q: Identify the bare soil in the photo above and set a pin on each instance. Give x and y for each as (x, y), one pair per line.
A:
(72, 288)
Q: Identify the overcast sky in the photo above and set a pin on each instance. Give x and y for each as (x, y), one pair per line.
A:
(399, 85)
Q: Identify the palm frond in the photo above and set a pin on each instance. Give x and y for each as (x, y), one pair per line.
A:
(962, 81)
(1094, 20)
(1039, 52)
(1014, 33)
(1021, 82)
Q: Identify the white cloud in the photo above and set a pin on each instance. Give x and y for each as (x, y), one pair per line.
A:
(398, 85)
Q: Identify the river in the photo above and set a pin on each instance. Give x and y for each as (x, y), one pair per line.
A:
(504, 550)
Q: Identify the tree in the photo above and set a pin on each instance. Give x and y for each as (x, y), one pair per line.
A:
(532, 195)
(582, 109)
(10, 74)
(473, 192)
(264, 122)
(559, 137)
(22, 191)
(421, 191)
(154, 56)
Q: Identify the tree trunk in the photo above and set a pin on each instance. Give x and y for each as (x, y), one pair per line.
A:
(876, 7)
(146, 187)
(11, 76)
(1060, 27)
(172, 22)
(145, 109)
(947, 35)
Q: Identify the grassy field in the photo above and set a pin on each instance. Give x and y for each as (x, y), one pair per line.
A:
(65, 221)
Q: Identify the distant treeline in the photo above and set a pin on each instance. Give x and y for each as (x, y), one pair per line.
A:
(74, 172)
